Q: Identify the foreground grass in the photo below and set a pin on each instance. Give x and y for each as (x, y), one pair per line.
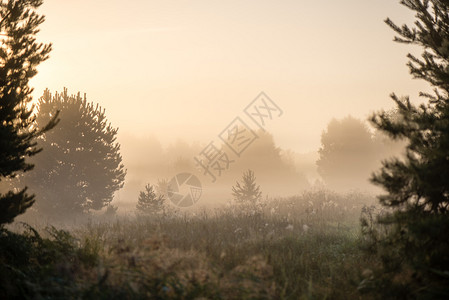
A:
(224, 255)
(283, 260)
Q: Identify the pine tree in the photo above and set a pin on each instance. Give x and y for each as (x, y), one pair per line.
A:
(81, 166)
(247, 192)
(149, 203)
(415, 249)
(20, 54)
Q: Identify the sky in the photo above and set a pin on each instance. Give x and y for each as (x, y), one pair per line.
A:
(186, 69)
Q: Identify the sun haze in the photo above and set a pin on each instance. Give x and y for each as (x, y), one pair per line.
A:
(185, 69)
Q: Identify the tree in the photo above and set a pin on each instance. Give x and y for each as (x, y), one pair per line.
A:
(274, 170)
(149, 203)
(350, 150)
(248, 192)
(415, 248)
(81, 166)
(111, 210)
(20, 54)
(347, 155)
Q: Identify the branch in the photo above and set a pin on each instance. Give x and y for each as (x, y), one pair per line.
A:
(1, 22)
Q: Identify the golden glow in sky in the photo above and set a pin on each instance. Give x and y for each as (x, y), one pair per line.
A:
(184, 69)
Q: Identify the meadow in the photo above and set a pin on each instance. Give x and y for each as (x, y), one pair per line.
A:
(303, 247)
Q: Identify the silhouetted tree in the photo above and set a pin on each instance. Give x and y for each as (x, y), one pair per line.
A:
(81, 166)
(149, 203)
(247, 192)
(19, 56)
(417, 186)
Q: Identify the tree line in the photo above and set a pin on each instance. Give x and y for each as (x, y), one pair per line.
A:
(81, 147)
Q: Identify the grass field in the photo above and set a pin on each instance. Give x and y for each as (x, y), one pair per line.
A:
(305, 247)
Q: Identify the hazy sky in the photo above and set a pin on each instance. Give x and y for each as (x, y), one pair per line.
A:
(188, 68)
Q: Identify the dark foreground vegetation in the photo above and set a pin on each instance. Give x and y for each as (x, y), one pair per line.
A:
(303, 247)
(318, 245)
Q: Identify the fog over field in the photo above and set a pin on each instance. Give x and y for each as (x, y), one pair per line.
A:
(211, 149)
(176, 74)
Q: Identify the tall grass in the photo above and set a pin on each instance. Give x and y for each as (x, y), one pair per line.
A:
(304, 247)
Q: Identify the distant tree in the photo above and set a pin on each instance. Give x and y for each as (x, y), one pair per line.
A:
(81, 166)
(347, 154)
(274, 169)
(384, 146)
(111, 210)
(20, 54)
(415, 249)
(247, 192)
(149, 203)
